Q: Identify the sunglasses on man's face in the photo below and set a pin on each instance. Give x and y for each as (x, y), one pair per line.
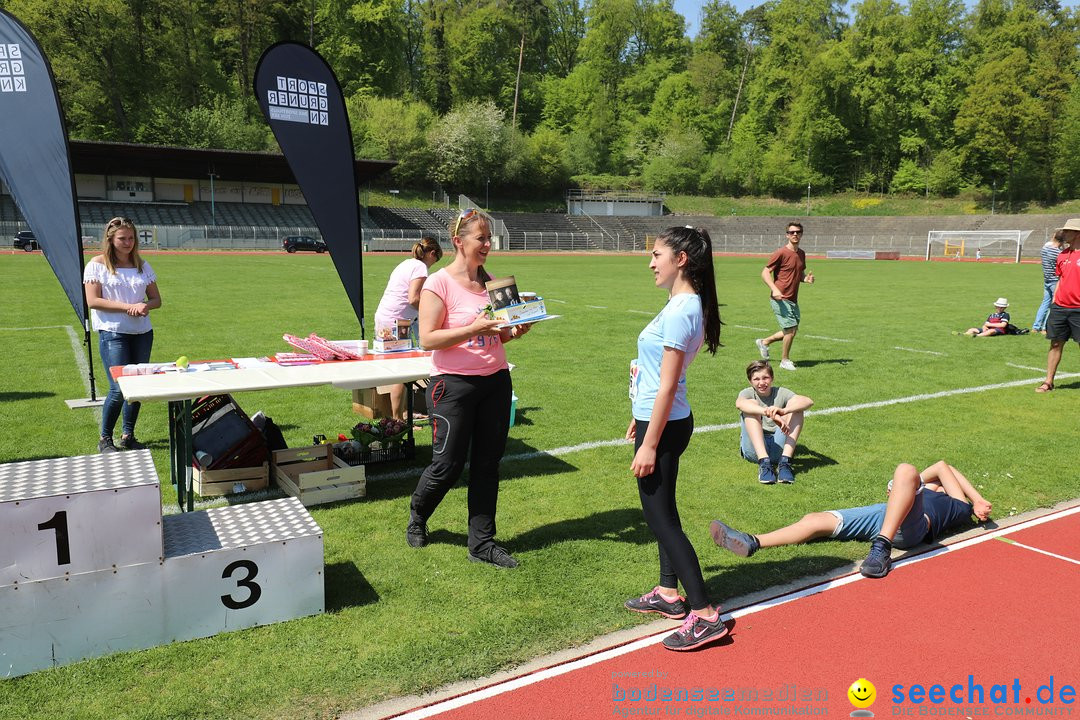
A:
(462, 218)
(794, 232)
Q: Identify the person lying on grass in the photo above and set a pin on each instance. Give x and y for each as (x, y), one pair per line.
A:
(920, 507)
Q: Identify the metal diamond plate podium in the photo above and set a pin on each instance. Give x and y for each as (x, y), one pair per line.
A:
(89, 567)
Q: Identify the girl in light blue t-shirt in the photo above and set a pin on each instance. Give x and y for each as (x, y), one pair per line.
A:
(662, 423)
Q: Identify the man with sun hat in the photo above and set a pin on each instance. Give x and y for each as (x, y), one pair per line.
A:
(1064, 320)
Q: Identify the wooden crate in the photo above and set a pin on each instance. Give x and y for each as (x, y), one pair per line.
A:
(314, 475)
(211, 483)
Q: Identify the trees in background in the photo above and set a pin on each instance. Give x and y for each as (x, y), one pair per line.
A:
(923, 96)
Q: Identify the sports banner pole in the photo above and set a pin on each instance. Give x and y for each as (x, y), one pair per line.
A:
(35, 162)
(304, 106)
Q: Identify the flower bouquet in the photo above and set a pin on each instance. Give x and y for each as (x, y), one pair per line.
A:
(382, 434)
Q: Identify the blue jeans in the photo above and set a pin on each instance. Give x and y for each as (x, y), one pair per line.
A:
(774, 444)
(1044, 309)
(121, 349)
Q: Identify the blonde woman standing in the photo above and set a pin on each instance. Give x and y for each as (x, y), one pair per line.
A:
(121, 290)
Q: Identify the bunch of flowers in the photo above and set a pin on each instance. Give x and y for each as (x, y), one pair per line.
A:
(383, 433)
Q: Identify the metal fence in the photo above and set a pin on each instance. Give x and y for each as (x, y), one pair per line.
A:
(211, 237)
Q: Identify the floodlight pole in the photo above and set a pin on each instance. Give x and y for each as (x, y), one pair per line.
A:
(213, 213)
(993, 198)
(807, 199)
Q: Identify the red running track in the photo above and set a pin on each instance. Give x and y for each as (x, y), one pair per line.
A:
(990, 611)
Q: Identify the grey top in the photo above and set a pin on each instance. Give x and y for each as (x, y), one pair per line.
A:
(778, 397)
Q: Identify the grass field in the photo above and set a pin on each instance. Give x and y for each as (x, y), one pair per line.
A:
(400, 620)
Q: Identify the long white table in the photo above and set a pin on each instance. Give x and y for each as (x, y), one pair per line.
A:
(180, 388)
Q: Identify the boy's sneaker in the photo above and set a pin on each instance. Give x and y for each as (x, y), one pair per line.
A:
(128, 442)
(784, 473)
(105, 445)
(765, 474)
(878, 563)
(416, 532)
(732, 540)
(762, 348)
(655, 602)
(787, 365)
(495, 555)
(696, 632)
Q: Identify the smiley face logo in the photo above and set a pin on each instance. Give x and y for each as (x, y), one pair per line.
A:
(862, 693)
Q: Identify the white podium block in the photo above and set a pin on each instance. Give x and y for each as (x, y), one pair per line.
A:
(67, 516)
(224, 569)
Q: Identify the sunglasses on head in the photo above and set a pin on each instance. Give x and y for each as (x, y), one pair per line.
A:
(120, 221)
(465, 215)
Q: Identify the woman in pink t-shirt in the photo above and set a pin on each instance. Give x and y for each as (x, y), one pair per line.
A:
(469, 394)
(401, 300)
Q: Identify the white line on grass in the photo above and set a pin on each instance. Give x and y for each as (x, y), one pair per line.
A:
(84, 369)
(1041, 552)
(596, 307)
(550, 672)
(641, 312)
(750, 327)
(76, 345)
(927, 352)
(1026, 367)
(570, 449)
(822, 337)
(563, 302)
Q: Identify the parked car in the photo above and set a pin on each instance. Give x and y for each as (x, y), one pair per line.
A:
(302, 242)
(25, 239)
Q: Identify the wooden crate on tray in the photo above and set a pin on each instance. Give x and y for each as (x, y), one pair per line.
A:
(314, 475)
(212, 483)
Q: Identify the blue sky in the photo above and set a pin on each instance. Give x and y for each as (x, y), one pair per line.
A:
(691, 10)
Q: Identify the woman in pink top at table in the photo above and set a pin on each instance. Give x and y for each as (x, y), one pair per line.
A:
(469, 394)
(401, 300)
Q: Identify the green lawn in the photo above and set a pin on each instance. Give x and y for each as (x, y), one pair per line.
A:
(401, 620)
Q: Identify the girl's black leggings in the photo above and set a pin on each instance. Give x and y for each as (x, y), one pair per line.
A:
(678, 561)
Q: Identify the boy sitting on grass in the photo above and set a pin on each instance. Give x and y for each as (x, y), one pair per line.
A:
(771, 419)
(921, 506)
(997, 323)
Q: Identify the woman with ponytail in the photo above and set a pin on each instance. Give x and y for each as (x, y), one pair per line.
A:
(401, 301)
(661, 426)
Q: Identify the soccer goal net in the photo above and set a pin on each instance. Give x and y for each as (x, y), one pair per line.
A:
(975, 243)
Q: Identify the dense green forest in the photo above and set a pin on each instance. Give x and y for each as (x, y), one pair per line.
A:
(929, 97)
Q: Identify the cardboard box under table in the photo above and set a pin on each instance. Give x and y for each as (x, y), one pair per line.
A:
(315, 475)
(375, 402)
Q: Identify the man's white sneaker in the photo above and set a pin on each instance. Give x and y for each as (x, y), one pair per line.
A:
(787, 365)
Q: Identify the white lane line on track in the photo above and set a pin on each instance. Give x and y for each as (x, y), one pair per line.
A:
(547, 673)
(1041, 552)
(926, 352)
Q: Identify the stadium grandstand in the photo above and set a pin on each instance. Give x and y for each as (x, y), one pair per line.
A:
(198, 198)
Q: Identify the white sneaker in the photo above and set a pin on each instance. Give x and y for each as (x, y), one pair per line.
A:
(787, 365)
(762, 348)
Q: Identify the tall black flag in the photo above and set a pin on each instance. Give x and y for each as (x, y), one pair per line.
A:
(302, 101)
(35, 161)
